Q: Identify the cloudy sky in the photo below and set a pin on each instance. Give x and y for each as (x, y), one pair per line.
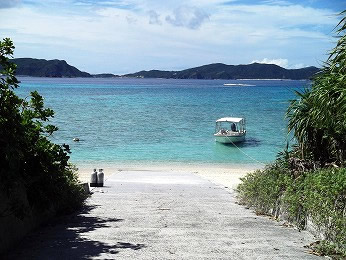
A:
(121, 36)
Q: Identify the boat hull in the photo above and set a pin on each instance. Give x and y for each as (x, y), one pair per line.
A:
(228, 139)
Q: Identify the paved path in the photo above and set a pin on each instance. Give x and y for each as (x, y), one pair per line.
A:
(160, 215)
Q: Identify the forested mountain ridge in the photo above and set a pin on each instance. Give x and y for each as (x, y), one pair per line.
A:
(47, 68)
(60, 68)
(223, 71)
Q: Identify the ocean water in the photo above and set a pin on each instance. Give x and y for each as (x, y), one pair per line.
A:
(163, 121)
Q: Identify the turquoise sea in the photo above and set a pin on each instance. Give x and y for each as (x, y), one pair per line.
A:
(126, 121)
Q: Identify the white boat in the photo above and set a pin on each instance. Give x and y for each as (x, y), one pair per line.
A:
(230, 130)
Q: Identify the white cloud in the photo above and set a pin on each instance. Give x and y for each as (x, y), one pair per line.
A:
(154, 17)
(124, 31)
(280, 62)
(276, 2)
(186, 16)
(298, 66)
(130, 19)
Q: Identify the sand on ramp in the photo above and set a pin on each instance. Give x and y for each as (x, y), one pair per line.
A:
(227, 176)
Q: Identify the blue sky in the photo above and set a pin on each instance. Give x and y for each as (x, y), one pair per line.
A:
(121, 36)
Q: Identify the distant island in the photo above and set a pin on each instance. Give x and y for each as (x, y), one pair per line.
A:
(60, 68)
(47, 68)
(223, 71)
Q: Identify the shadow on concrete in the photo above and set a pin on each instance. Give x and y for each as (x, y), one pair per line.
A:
(66, 237)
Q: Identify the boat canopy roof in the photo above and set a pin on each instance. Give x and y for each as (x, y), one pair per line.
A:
(230, 119)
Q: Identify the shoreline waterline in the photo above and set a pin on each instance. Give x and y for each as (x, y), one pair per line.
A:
(226, 175)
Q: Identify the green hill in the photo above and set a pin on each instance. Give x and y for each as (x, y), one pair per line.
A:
(223, 71)
(60, 68)
(47, 68)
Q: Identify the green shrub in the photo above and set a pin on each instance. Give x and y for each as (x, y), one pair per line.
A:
(262, 189)
(317, 117)
(34, 172)
(324, 196)
(319, 195)
(294, 183)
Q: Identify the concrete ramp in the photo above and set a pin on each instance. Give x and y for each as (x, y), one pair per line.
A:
(163, 215)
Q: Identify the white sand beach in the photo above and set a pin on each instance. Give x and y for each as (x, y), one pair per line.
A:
(224, 175)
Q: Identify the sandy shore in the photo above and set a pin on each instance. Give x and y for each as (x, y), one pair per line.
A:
(225, 175)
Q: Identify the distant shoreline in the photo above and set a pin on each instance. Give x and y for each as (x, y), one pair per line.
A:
(135, 78)
(60, 68)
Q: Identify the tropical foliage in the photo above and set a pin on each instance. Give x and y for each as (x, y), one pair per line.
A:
(34, 172)
(309, 181)
(318, 196)
(318, 117)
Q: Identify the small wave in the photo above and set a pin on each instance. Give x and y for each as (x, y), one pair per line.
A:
(238, 84)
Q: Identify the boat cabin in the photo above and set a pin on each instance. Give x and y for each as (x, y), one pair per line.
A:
(230, 130)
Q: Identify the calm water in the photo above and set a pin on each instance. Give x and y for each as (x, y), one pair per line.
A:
(136, 121)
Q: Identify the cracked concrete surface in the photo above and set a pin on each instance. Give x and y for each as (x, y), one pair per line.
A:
(163, 215)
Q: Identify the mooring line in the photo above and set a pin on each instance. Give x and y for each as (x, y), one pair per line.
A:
(245, 153)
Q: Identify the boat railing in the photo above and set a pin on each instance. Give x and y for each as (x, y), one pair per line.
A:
(229, 132)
